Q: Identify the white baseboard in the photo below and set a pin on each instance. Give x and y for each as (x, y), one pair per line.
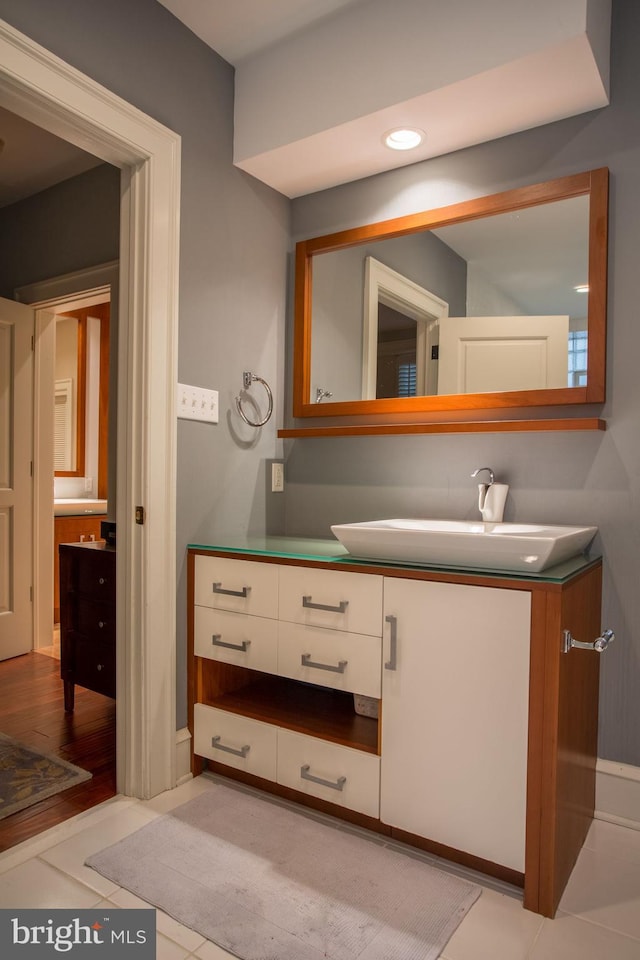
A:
(183, 756)
(618, 793)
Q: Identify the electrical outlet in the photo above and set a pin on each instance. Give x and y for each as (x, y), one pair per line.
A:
(197, 403)
(277, 477)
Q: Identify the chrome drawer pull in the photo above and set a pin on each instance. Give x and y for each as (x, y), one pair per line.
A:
(305, 775)
(392, 662)
(217, 642)
(102, 624)
(242, 752)
(102, 581)
(217, 588)
(306, 661)
(342, 606)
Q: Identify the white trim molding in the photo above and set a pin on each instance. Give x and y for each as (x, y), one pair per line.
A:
(618, 793)
(183, 756)
(49, 92)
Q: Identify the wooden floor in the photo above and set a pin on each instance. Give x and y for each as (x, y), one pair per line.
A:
(32, 711)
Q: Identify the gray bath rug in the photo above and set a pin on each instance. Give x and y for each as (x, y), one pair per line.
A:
(268, 883)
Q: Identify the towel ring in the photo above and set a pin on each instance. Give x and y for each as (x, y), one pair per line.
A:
(247, 379)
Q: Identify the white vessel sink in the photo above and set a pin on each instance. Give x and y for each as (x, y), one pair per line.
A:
(74, 506)
(459, 543)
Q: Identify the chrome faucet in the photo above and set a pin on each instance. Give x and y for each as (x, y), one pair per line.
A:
(491, 497)
(492, 476)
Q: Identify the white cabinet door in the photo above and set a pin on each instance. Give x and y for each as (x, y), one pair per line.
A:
(455, 697)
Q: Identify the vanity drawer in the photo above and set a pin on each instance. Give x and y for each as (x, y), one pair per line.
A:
(329, 771)
(344, 661)
(234, 740)
(236, 638)
(331, 598)
(241, 586)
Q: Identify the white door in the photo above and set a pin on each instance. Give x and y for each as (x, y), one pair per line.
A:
(455, 696)
(16, 445)
(489, 354)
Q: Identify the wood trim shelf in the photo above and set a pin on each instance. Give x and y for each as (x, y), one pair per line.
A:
(476, 426)
(318, 712)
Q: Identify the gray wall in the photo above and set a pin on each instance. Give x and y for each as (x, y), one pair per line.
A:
(561, 477)
(234, 240)
(70, 226)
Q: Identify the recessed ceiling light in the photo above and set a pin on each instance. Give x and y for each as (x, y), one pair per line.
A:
(403, 138)
(582, 288)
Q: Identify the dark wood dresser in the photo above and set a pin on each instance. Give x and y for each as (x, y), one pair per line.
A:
(87, 619)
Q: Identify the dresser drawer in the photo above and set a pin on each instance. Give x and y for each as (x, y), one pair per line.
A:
(332, 599)
(96, 620)
(236, 638)
(95, 575)
(94, 665)
(240, 586)
(236, 741)
(329, 771)
(330, 658)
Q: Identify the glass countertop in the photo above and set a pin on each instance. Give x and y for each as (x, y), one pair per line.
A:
(331, 551)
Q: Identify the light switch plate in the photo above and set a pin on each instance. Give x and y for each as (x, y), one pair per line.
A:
(277, 477)
(197, 403)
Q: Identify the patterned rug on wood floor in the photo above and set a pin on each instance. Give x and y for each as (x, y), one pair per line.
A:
(27, 776)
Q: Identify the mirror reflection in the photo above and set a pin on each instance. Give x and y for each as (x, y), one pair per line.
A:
(482, 306)
(81, 393)
(495, 302)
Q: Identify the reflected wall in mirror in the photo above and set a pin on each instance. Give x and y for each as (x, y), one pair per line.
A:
(82, 394)
(495, 302)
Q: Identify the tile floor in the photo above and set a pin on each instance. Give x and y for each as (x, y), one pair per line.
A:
(599, 916)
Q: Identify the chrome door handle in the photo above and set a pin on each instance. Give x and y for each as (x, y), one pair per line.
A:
(600, 644)
(306, 661)
(305, 775)
(392, 662)
(218, 588)
(242, 647)
(308, 602)
(242, 752)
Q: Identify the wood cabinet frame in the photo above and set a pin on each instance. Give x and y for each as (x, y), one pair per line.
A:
(563, 722)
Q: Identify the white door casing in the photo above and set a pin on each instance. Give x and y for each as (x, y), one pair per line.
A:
(382, 284)
(16, 485)
(489, 354)
(42, 88)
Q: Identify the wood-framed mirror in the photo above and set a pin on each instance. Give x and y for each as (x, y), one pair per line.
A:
(82, 394)
(496, 302)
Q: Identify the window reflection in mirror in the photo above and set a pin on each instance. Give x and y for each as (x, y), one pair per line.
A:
(505, 295)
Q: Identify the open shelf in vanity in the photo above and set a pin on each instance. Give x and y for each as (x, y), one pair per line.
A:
(307, 709)
(485, 749)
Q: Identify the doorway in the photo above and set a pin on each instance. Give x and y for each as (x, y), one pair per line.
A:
(48, 92)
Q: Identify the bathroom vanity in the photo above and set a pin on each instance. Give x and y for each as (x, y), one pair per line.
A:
(483, 749)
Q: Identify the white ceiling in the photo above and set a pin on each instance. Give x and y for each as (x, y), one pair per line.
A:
(239, 28)
(318, 82)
